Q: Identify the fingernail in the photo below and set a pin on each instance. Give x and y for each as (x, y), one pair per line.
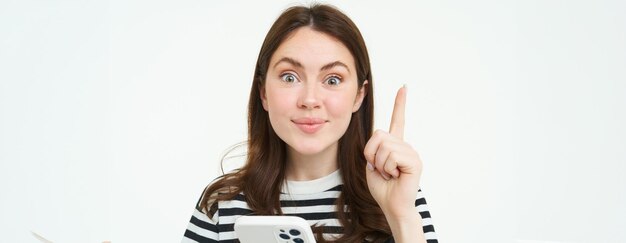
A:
(370, 166)
(384, 176)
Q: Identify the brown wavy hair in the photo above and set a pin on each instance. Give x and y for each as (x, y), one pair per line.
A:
(263, 174)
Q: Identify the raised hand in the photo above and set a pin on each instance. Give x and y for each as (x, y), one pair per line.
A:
(394, 167)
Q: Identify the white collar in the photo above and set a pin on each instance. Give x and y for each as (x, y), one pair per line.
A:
(313, 186)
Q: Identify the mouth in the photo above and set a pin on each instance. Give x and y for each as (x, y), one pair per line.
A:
(309, 125)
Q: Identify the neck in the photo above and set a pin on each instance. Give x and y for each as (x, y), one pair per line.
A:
(305, 167)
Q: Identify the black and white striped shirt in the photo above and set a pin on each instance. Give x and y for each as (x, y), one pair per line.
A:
(312, 200)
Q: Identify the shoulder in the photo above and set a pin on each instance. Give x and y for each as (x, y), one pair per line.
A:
(202, 226)
(427, 221)
(217, 190)
(421, 205)
(213, 217)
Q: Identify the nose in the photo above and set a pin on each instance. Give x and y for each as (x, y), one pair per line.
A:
(310, 97)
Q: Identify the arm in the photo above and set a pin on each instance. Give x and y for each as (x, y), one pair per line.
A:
(419, 222)
(407, 229)
(393, 176)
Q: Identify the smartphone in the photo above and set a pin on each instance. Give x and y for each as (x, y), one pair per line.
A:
(273, 229)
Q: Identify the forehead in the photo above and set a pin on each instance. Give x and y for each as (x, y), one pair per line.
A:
(313, 48)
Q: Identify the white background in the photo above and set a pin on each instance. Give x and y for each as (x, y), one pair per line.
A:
(114, 114)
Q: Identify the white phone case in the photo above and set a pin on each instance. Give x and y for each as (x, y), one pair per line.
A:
(273, 229)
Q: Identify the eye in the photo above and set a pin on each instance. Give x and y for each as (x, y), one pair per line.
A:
(289, 78)
(333, 80)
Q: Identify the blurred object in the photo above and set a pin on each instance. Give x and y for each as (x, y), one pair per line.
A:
(44, 240)
(40, 238)
(540, 241)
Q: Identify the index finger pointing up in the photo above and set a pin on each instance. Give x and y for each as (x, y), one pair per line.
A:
(396, 128)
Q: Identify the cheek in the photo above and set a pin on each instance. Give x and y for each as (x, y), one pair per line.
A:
(340, 106)
(279, 101)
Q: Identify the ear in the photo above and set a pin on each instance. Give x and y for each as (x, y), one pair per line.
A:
(263, 97)
(359, 97)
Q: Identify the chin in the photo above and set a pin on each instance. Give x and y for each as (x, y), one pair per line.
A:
(308, 150)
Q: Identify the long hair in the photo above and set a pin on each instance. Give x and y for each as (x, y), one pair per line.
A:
(263, 174)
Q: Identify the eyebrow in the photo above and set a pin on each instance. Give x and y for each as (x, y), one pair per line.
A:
(299, 65)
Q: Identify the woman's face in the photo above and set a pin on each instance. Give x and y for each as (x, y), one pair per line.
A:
(310, 91)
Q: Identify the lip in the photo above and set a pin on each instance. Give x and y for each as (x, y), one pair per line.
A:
(308, 124)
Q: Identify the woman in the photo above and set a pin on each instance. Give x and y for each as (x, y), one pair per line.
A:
(311, 150)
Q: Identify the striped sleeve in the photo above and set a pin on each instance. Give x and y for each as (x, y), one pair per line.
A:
(201, 228)
(427, 223)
